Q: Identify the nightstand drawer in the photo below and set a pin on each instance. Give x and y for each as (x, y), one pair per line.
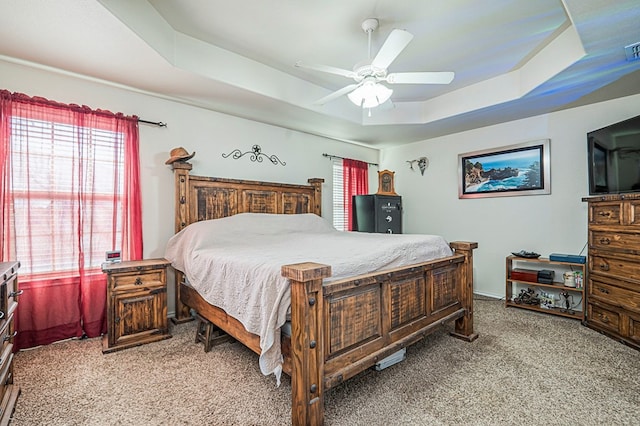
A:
(146, 279)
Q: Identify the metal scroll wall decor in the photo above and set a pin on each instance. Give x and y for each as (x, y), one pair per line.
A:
(255, 154)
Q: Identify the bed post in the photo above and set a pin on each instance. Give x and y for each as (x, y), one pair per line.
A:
(307, 341)
(317, 202)
(464, 324)
(181, 174)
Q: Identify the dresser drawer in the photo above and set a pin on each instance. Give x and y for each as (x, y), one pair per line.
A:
(147, 279)
(604, 318)
(634, 328)
(605, 213)
(6, 334)
(618, 241)
(6, 370)
(613, 295)
(618, 267)
(8, 296)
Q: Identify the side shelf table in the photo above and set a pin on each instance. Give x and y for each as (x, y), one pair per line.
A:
(575, 294)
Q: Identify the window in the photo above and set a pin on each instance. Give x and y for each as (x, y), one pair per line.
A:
(45, 203)
(339, 213)
(69, 191)
(350, 177)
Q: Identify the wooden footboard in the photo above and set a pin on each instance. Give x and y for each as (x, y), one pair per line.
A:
(341, 328)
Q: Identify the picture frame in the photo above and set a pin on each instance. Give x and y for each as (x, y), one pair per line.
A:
(520, 169)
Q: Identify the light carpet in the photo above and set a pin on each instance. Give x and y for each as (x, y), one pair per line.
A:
(526, 368)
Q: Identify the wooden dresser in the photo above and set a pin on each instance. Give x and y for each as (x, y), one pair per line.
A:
(613, 285)
(136, 303)
(8, 303)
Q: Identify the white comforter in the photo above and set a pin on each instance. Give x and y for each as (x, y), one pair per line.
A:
(234, 263)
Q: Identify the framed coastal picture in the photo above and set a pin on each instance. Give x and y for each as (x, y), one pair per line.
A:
(522, 169)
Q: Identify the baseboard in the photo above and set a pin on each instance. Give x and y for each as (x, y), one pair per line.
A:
(492, 296)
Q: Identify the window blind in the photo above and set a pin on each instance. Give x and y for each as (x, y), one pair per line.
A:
(47, 168)
(339, 211)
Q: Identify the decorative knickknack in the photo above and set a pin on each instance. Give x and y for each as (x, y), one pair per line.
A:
(385, 183)
(179, 155)
(423, 163)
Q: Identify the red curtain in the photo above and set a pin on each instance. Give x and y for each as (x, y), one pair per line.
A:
(355, 176)
(69, 191)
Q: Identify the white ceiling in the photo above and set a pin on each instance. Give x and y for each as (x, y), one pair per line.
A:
(511, 58)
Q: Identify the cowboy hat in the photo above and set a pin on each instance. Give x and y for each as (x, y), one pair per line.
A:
(179, 154)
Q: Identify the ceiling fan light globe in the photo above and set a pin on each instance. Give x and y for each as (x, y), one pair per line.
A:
(370, 95)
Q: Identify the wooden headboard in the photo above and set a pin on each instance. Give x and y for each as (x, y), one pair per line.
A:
(201, 198)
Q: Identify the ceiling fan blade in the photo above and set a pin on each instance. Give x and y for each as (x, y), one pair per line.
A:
(327, 69)
(336, 94)
(393, 45)
(444, 77)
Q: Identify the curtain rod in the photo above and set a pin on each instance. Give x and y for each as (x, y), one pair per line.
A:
(155, 123)
(330, 157)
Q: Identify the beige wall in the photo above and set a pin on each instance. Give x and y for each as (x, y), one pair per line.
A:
(555, 223)
(542, 223)
(208, 133)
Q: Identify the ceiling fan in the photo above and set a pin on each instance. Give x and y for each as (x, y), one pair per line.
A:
(368, 91)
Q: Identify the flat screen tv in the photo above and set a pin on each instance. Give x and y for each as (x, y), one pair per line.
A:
(614, 158)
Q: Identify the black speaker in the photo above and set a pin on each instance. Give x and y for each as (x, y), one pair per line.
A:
(377, 213)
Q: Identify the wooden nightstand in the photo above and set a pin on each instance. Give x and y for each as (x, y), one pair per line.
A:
(136, 303)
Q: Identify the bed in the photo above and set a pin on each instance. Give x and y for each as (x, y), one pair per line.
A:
(340, 324)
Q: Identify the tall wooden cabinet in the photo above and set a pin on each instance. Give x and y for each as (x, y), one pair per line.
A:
(9, 293)
(613, 287)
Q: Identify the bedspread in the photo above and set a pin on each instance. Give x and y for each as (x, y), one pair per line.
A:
(235, 264)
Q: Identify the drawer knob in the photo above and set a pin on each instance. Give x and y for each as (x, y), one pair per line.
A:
(9, 337)
(603, 290)
(605, 241)
(138, 281)
(604, 266)
(605, 214)
(604, 318)
(16, 293)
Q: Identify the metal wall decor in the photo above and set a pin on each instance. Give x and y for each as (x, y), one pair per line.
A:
(423, 163)
(255, 155)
